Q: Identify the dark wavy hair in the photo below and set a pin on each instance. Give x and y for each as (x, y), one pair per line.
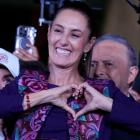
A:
(81, 7)
(87, 12)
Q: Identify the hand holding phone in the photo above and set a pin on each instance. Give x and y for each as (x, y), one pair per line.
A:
(25, 35)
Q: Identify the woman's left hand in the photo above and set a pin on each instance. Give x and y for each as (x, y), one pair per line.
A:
(95, 100)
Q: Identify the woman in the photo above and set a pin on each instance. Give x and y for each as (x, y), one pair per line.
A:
(69, 36)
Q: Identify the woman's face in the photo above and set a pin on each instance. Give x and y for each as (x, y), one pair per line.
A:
(68, 38)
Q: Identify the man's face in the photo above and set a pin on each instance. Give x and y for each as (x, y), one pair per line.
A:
(5, 77)
(110, 61)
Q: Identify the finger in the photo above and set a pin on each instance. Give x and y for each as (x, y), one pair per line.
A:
(69, 88)
(27, 56)
(21, 54)
(76, 94)
(21, 50)
(91, 89)
(70, 110)
(82, 91)
(35, 53)
(62, 92)
(18, 54)
(81, 112)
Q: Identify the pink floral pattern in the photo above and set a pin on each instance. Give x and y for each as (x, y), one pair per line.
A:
(85, 128)
(30, 124)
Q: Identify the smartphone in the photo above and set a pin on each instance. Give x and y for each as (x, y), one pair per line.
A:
(25, 35)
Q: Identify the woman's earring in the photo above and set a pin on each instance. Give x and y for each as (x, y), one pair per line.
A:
(85, 57)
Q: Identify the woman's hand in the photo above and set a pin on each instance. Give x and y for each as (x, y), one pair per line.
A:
(57, 96)
(95, 100)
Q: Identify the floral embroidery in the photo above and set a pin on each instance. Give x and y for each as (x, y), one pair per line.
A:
(85, 128)
(30, 124)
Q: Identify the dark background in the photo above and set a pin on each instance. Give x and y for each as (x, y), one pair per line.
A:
(26, 12)
(16, 12)
(13, 14)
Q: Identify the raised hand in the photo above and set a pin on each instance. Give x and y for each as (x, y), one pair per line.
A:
(95, 100)
(27, 56)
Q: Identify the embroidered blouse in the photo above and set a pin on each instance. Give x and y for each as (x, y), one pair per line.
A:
(55, 126)
(119, 112)
(29, 126)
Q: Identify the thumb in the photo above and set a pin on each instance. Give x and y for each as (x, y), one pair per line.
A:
(79, 113)
(70, 110)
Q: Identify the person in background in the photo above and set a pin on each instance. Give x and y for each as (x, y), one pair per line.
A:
(113, 58)
(9, 69)
(23, 55)
(27, 56)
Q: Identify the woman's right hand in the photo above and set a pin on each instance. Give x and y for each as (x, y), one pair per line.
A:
(57, 96)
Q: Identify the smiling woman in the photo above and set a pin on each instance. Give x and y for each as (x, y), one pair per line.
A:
(67, 40)
(69, 37)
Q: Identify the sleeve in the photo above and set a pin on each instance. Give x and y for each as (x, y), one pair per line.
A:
(125, 111)
(10, 100)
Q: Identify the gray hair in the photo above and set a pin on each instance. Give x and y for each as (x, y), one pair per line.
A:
(132, 56)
